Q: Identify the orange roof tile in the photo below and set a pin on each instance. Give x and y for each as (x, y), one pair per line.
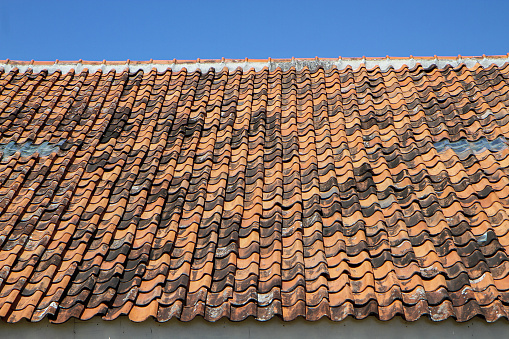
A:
(236, 188)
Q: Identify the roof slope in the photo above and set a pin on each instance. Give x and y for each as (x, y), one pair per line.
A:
(239, 193)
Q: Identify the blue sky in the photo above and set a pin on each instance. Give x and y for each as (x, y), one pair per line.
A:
(120, 30)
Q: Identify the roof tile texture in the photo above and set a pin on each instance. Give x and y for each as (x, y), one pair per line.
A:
(240, 193)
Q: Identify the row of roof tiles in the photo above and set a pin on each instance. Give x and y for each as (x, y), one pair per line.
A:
(257, 64)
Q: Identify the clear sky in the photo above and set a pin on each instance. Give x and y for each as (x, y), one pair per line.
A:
(120, 30)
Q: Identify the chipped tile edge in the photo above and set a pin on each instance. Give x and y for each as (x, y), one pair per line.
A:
(247, 64)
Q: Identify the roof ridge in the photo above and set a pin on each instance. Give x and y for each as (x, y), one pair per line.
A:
(235, 195)
(257, 64)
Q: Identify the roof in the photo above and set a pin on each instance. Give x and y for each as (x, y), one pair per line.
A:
(287, 191)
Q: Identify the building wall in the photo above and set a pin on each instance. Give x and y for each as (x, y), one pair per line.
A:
(369, 328)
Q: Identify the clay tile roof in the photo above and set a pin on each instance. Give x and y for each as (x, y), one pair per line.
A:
(236, 188)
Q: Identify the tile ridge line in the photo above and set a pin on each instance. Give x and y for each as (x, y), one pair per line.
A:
(257, 64)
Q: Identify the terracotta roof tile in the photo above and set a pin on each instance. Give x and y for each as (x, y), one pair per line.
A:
(278, 191)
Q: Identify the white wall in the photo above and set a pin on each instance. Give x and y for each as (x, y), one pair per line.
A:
(250, 328)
